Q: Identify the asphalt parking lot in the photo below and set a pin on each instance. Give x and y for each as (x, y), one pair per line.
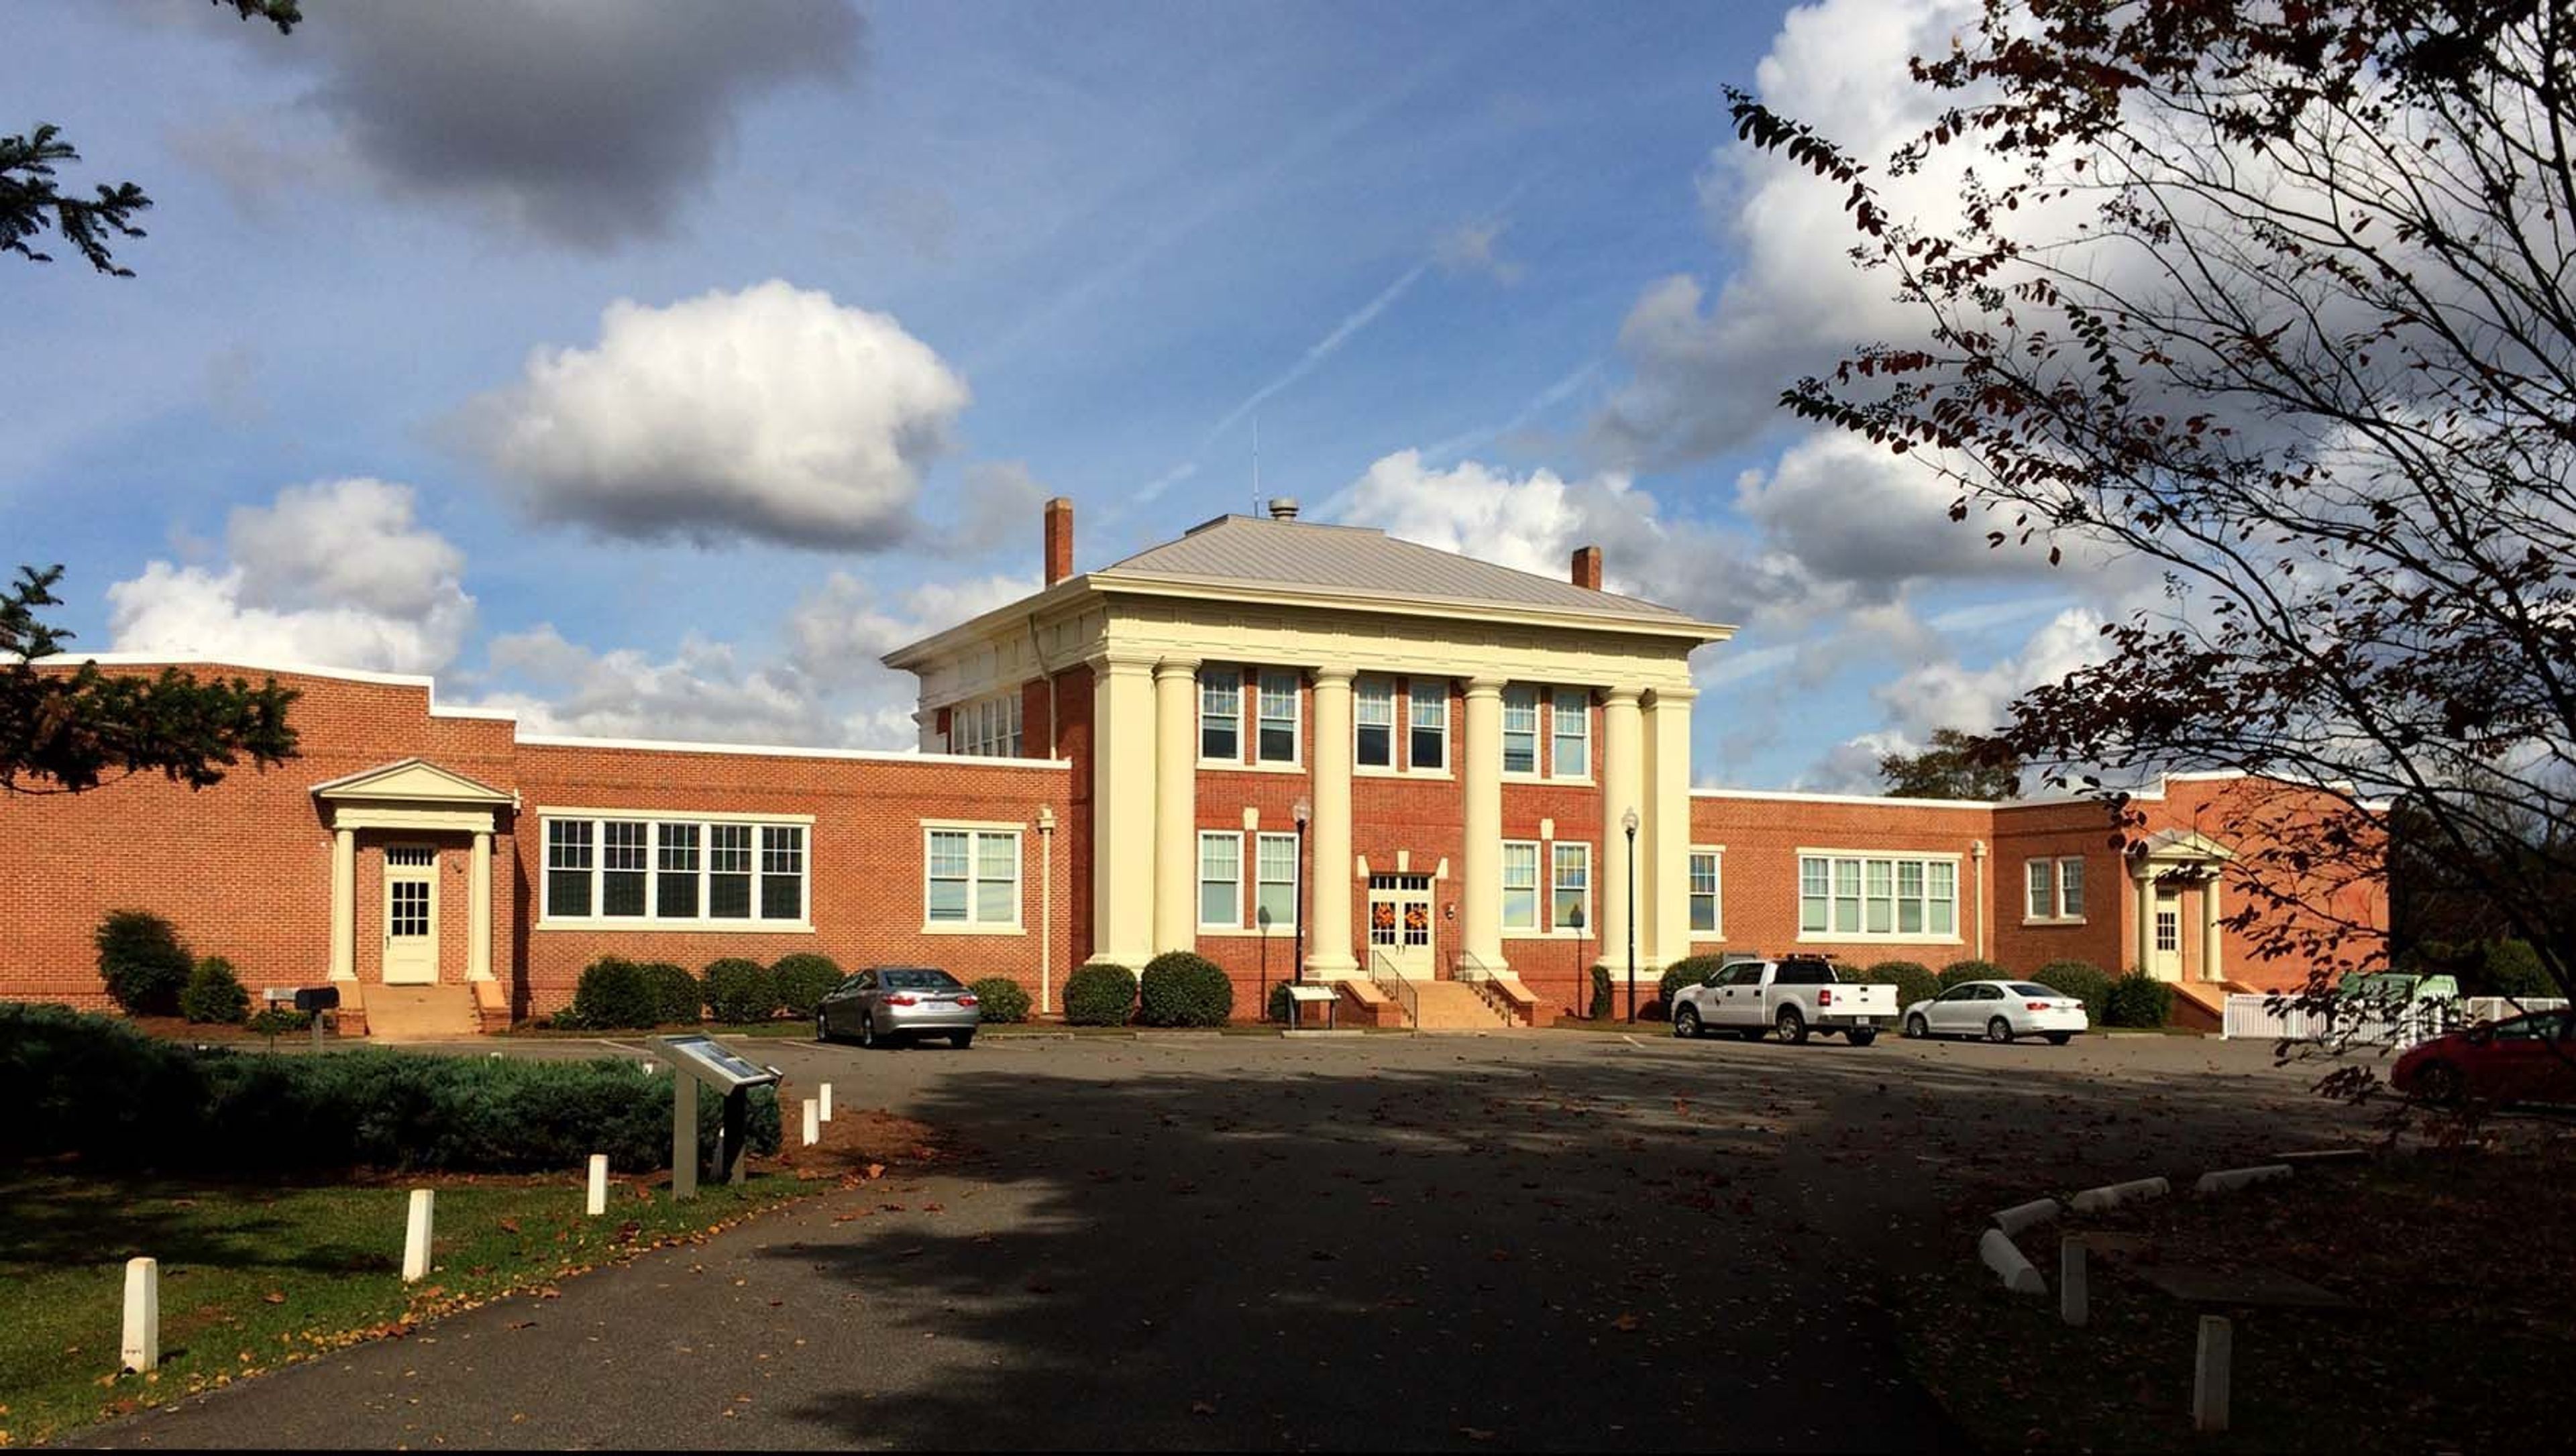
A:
(1564, 1240)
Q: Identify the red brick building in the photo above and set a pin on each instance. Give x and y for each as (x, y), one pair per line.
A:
(1271, 742)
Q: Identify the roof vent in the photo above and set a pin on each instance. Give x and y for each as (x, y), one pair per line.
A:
(1283, 508)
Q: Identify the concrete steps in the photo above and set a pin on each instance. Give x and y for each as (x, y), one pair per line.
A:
(1455, 1006)
(420, 1013)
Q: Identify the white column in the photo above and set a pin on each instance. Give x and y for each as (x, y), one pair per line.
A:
(2212, 935)
(344, 905)
(1176, 685)
(1623, 786)
(1663, 858)
(1122, 810)
(478, 897)
(1328, 897)
(1480, 859)
(2145, 882)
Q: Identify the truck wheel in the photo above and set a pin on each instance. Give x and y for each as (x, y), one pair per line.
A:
(1999, 1031)
(1686, 1021)
(1793, 1027)
(1861, 1035)
(1917, 1028)
(2058, 1038)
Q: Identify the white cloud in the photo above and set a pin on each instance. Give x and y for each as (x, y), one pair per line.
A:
(1469, 248)
(1948, 695)
(336, 574)
(773, 413)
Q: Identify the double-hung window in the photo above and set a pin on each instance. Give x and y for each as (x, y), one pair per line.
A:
(1427, 747)
(1520, 729)
(1520, 884)
(972, 878)
(1703, 892)
(676, 871)
(2054, 889)
(1220, 879)
(1570, 884)
(1875, 897)
(1275, 899)
(1221, 714)
(1278, 741)
(1571, 712)
(988, 727)
(1373, 714)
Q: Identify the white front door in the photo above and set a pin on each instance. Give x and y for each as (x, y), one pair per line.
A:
(411, 915)
(1399, 925)
(2168, 966)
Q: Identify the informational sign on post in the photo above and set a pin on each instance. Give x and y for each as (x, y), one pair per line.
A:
(698, 1060)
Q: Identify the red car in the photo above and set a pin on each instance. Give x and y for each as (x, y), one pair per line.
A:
(2529, 1058)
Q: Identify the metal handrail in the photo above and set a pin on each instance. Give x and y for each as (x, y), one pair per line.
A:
(1382, 970)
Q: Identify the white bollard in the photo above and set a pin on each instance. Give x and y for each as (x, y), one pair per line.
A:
(2228, 1180)
(813, 1122)
(416, 1236)
(598, 1184)
(142, 1347)
(2023, 1215)
(2094, 1200)
(2000, 1254)
(2209, 1374)
(2074, 1300)
(827, 1102)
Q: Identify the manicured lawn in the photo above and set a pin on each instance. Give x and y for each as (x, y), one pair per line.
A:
(257, 1277)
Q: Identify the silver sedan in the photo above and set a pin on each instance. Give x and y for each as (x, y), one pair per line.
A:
(1998, 1011)
(898, 1003)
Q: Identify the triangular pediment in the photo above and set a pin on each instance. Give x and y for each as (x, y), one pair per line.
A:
(2181, 846)
(409, 781)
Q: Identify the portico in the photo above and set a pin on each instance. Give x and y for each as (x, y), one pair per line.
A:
(412, 811)
(2163, 868)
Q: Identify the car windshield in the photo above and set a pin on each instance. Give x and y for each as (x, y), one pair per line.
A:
(918, 981)
(2025, 988)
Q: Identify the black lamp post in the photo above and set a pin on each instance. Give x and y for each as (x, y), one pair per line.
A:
(1304, 811)
(1628, 821)
(1261, 923)
(1582, 991)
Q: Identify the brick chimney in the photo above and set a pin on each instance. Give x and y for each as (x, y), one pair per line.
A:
(1059, 539)
(1587, 567)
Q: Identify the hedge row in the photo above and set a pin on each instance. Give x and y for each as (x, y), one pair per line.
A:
(616, 994)
(97, 1089)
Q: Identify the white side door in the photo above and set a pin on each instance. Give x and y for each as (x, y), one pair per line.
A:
(1739, 995)
(411, 915)
(1954, 1010)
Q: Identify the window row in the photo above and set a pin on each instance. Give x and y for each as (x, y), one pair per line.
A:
(1264, 707)
(1862, 897)
(674, 870)
(1221, 881)
(1275, 727)
(988, 727)
(2055, 889)
(1569, 885)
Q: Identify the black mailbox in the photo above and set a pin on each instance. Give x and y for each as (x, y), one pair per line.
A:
(317, 998)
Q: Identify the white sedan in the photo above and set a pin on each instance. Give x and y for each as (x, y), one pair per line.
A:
(1998, 1011)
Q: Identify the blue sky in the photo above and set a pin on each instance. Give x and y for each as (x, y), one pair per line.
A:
(1491, 276)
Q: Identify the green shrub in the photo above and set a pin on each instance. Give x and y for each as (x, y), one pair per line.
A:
(1099, 994)
(1278, 1008)
(1602, 1004)
(1001, 1000)
(2138, 999)
(278, 1020)
(214, 995)
(95, 1088)
(804, 979)
(143, 962)
(1913, 980)
(2483, 967)
(1183, 989)
(2082, 980)
(678, 998)
(1971, 970)
(741, 990)
(613, 995)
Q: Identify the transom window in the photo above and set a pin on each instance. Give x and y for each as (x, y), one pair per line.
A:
(1520, 729)
(1373, 720)
(676, 871)
(987, 727)
(1221, 714)
(411, 856)
(1869, 897)
(972, 878)
(1278, 741)
(1703, 892)
(1220, 879)
(1571, 710)
(1427, 746)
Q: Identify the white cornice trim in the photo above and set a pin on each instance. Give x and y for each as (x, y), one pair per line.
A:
(788, 750)
(422, 681)
(1796, 796)
(1206, 588)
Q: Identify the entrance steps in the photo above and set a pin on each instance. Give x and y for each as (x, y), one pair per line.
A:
(1456, 1006)
(2202, 1005)
(421, 1013)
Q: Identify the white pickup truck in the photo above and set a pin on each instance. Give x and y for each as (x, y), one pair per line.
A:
(1795, 996)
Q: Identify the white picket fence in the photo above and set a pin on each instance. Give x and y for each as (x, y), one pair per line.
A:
(2258, 1017)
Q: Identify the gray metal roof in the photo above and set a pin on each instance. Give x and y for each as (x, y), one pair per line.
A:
(1314, 556)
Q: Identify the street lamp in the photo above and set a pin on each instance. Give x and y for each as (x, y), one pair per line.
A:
(1303, 811)
(1576, 920)
(1628, 821)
